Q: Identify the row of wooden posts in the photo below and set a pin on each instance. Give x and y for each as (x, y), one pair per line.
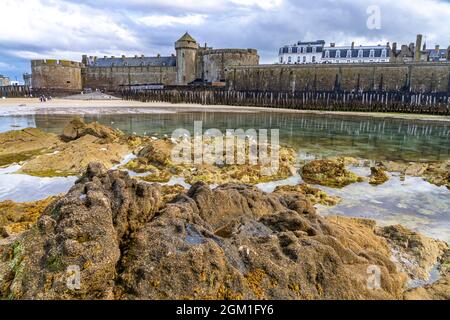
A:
(405, 102)
(15, 91)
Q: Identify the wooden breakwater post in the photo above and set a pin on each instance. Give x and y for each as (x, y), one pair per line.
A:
(15, 91)
(358, 101)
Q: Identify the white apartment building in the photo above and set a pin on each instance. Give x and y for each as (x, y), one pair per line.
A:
(316, 52)
(301, 52)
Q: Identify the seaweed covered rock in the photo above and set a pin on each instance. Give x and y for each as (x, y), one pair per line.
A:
(20, 145)
(86, 231)
(378, 176)
(73, 157)
(331, 173)
(77, 128)
(315, 195)
(18, 217)
(128, 241)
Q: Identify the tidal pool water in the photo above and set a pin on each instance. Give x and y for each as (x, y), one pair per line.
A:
(320, 135)
(412, 202)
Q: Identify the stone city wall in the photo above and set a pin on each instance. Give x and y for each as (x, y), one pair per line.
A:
(112, 78)
(215, 62)
(419, 77)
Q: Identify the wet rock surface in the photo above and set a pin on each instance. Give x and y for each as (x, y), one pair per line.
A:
(378, 176)
(416, 253)
(233, 242)
(314, 195)
(73, 157)
(18, 217)
(437, 173)
(77, 128)
(20, 145)
(330, 173)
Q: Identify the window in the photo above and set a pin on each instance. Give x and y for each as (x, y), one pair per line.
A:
(301, 50)
(281, 59)
(384, 53)
(327, 54)
(338, 53)
(372, 53)
(298, 59)
(349, 53)
(304, 59)
(360, 54)
(314, 59)
(289, 59)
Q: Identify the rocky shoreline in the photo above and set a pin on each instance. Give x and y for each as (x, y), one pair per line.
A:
(135, 239)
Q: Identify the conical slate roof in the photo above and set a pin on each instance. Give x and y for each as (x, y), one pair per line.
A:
(187, 37)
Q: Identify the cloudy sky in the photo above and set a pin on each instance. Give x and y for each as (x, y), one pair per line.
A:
(66, 29)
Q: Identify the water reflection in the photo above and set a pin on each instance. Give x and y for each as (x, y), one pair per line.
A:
(324, 135)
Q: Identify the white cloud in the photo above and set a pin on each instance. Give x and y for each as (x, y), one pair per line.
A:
(57, 23)
(166, 20)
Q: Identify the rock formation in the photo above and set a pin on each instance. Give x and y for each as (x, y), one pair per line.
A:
(378, 176)
(72, 158)
(233, 242)
(77, 128)
(331, 173)
(20, 145)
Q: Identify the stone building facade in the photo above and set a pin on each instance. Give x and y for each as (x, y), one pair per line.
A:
(56, 75)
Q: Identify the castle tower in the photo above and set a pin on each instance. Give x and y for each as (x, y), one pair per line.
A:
(417, 54)
(186, 48)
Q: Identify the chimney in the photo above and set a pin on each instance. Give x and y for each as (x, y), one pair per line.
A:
(142, 56)
(136, 56)
(437, 48)
(158, 55)
(418, 47)
(353, 45)
(123, 56)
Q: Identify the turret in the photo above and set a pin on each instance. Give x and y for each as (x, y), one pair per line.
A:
(417, 53)
(186, 48)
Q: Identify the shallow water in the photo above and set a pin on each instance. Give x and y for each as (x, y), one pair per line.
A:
(412, 202)
(321, 135)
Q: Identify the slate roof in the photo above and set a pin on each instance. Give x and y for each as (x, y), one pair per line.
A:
(355, 51)
(135, 62)
(187, 37)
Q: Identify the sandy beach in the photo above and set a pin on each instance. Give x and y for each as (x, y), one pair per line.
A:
(22, 106)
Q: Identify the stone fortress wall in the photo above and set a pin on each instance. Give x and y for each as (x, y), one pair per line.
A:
(207, 64)
(240, 69)
(418, 77)
(215, 62)
(111, 78)
(56, 75)
(191, 63)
